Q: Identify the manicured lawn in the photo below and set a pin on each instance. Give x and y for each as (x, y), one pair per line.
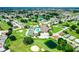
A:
(19, 46)
(73, 33)
(70, 23)
(56, 29)
(41, 44)
(4, 25)
(31, 23)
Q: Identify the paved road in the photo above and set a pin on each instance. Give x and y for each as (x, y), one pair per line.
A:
(2, 40)
(73, 43)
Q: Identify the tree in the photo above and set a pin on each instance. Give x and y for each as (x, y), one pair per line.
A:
(24, 20)
(26, 26)
(18, 17)
(73, 27)
(1, 27)
(36, 17)
(62, 41)
(66, 24)
(59, 47)
(47, 17)
(68, 48)
(65, 32)
(7, 44)
(78, 23)
(60, 22)
(50, 33)
(28, 40)
(9, 31)
(77, 31)
(69, 20)
(10, 24)
(12, 37)
(61, 44)
(3, 16)
(54, 14)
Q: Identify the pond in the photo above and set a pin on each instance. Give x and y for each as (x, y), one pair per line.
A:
(50, 44)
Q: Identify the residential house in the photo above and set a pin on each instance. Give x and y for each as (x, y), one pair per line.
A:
(44, 35)
(71, 38)
(17, 24)
(31, 31)
(54, 20)
(77, 41)
(44, 28)
(67, 35)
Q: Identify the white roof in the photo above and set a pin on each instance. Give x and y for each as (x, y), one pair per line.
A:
(77, 40)
(67, 35)
(0, 33)
(44, 35)
(77, 49)
(71, 37)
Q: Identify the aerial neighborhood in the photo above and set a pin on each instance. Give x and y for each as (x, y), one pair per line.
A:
(39, 30)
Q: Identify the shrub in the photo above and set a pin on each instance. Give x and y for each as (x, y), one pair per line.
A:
(12, 37)
(7, 44)
(73, 27)
(50, 33)
(28, 40)
(68, 48)
(78, 23)
(9, 33)
(66, 24)
(65, 32)
(61, 44)
(10, 24)
(77, 31)
(62, 41)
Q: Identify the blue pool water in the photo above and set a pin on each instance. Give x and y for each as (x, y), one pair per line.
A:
(37, 30)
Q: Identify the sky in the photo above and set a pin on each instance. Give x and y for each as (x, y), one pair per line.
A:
(39, 3)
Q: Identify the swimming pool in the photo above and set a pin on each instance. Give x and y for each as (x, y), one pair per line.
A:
(37, 29)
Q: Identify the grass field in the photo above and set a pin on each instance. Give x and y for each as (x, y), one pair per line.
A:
(31, 23)
(4, 25)
(19, 46)
(73, 33)
(56, 29)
